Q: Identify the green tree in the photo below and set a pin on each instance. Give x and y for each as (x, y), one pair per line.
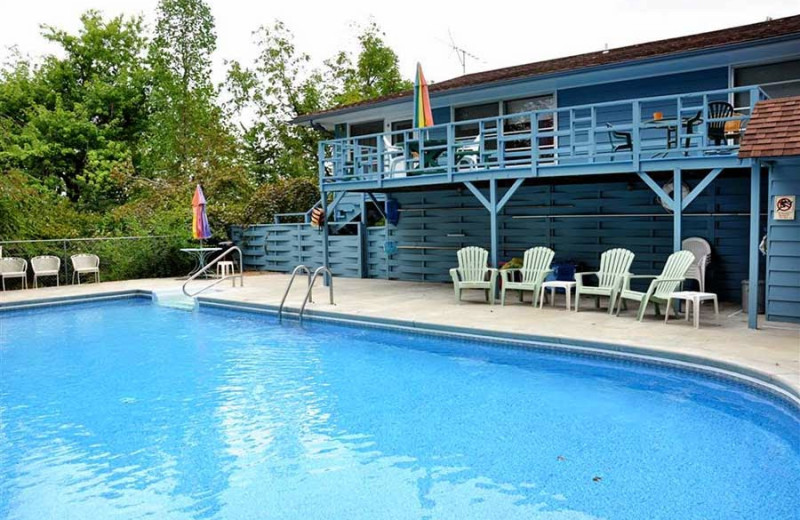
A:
(282, 86)
(375, 72)
(73, 122)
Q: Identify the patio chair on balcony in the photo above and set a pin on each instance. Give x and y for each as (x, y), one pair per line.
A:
(85, 264)
(473, 272)
(535, 268)
(614, 265)
(46, 265)
(716, 129)
(662, 285)
(620, 141)
(702, 258)
(12, 267)
(393, 160)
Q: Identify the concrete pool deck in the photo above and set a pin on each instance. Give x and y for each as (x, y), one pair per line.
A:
(773, 351)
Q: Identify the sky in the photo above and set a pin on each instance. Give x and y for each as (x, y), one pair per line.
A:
(508, 33)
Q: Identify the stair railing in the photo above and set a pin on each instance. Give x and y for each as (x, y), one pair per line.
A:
(317, 273)
(297, 269)
(211, 264)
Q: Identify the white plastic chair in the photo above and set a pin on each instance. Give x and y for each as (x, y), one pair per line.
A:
(11, 267)
(614, 265)
(535, 268)
(393, 160)
(85, 264)
(702, 254)
(45, 265)
(661, 286)
(473, 272)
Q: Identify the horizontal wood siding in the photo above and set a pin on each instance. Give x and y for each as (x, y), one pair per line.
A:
(783, 259)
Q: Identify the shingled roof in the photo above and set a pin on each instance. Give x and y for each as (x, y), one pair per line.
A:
(661, 48)
(773, 130)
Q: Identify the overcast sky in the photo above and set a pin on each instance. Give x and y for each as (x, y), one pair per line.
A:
(500, 33)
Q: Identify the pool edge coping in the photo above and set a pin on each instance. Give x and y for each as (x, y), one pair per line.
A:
(725, 369)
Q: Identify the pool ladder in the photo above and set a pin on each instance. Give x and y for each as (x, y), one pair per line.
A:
(312, 278)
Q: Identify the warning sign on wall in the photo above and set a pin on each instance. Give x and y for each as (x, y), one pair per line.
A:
(784, 207)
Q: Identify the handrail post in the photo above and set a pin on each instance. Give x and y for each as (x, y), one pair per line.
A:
(319, 271)
(637, 139)
(212, 263)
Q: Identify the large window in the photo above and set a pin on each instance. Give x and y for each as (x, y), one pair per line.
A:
(406, 124)
(776, 79)
(522, 125)
(367, 128)
(474, 112)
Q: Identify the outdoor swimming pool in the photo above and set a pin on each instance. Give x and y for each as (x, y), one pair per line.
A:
(128, 410)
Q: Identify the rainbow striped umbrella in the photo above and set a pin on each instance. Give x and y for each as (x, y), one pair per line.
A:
(200, 227)
(422, 101)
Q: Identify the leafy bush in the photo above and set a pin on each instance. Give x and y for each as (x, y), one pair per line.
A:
(291, 195)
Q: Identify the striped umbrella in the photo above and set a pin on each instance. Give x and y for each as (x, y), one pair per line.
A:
(422, 101)
(200, 227)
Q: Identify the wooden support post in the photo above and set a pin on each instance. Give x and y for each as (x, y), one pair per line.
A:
(755, 217)
(493, 221)
(325, 236)
(677, 209)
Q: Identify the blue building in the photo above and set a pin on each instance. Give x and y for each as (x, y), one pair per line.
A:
(637, 147)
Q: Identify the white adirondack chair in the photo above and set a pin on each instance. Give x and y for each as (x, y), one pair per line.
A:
(393, 160)
(702, 254)
(661, 287)
(614, 263)
(45, 265)
(474, 273)
(12, 267)
(535, 268)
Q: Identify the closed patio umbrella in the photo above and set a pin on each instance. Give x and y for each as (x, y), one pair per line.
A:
(200, 228)
(423, 115)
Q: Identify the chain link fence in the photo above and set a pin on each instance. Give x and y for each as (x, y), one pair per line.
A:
(121, 258)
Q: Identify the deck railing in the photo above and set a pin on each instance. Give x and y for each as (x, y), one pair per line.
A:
(661, 128)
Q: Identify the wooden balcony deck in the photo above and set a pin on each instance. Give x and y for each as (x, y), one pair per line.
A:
(688, 131)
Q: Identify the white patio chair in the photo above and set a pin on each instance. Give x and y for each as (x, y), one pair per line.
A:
(45, 265)
(474, 273)
(394, 160)
(11, 267)
(702, 258)
(535, 268)
(661, 286)
(85, 264)
(614, 264)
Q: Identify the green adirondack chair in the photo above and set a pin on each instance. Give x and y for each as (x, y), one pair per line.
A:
(614, 264)
(661, 287)
(474, 273)
(535, 268)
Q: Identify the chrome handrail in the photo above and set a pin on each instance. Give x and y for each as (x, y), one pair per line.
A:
(300, 267)
(311, 287)
(232, 277)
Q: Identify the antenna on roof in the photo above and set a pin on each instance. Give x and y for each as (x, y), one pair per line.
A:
(605, 49)
(462, 53)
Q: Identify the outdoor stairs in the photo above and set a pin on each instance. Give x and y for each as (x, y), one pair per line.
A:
(174, 299)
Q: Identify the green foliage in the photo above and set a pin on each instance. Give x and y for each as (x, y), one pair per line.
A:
(375, 72)
(281, 86)
(291, 195)
(109, 136)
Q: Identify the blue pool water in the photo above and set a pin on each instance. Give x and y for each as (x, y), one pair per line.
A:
(126, 410)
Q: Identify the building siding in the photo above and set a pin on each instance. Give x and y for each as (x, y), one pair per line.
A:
(783, 246)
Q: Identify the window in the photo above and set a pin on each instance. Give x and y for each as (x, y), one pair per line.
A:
(522, 124)
(367, 128)
(474, 112)
(776, 79)
(406, 124)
